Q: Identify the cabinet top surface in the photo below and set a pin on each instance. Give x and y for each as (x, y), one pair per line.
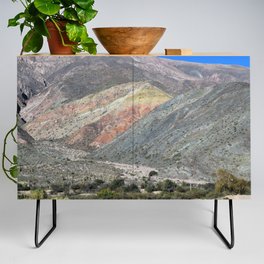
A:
(135, 55)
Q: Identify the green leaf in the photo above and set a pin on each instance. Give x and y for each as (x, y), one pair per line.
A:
(88, 40)
(86, 15)
(22, 27)
(32, 41)
(85, 4)
(41, 27)
(76, 32)
(20, 15)
(76, 49)
(32, 10)
(66, 3)
(47, 7)
(14, 171)
(89, 47)
(70, 14)
(15, 159)
(12, 22)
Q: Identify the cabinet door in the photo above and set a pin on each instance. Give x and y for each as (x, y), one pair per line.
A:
(191, 127)
(74, 113)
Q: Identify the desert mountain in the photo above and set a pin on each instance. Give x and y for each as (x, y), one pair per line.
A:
(94, 120)
(186, 120)
(205, 129)
(70, 78)
(177, 77)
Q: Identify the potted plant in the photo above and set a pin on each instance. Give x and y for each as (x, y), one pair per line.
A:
(61, 21)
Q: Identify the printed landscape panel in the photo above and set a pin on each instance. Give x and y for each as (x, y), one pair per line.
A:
(133, 127)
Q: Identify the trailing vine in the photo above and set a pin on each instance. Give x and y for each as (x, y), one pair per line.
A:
(11, 171)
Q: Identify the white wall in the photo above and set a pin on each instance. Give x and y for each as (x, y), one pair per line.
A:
(203, 25)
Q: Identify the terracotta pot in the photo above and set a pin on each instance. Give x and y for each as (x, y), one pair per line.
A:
(54, 41)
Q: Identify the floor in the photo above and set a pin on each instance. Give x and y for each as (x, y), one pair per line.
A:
(129, 231)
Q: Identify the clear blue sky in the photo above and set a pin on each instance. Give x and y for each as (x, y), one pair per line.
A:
(229, 60)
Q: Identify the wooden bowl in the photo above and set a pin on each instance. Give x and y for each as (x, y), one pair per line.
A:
(129, 40)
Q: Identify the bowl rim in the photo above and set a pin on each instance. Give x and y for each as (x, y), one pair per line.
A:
(129, 28)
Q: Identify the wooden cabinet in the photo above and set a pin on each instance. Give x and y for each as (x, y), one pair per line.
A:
(133, 127)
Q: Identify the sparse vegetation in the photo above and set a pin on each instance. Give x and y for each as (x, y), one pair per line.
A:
(105, 194)
(168, 186)
(57, 188)
(38, 194)
(150, 187)
(131, 188)
(227, 183)
(153, 173)
(23, 187)
(117, 183)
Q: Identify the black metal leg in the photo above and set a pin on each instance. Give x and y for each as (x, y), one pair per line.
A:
(54, 223)
(231, 244)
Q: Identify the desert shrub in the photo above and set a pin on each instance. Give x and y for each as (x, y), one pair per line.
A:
(66, 188)
(159, 186)
(55, 187)
(143, 185)
(91, 186)
(153, 173)
(98, 182)
(209, 187)
(23, 196)
(228, 183)
(105, 194)
(76, 186)
(168, 186)
(180, 189)
(195, 193)
(38, 194)
(23, 187)
(185, 185)
(211, 195)
(137, 195)
(117, 183)
(150, 187)
(131, 188)
(144, 182)
(164, 195)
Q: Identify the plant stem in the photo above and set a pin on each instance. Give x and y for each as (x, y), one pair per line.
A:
(7, 158)
(23, 3)
(12, 134)
(4, 156)
(58, 28)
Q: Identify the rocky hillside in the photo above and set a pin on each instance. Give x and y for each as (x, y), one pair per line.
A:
(184, 120)
(192, 135)
(94, 120)
(75, 77)
(177, 77)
